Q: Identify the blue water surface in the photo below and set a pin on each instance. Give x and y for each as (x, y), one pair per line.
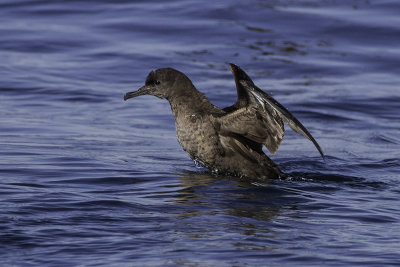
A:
(88, 179)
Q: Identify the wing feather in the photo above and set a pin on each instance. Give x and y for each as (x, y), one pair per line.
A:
(256, 125)
(258, 117)
(270, 104)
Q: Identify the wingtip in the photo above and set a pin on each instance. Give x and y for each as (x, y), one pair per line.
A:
(322, 155)
(309, 136)
(233, 67)
(238, 73)
(231, 64)
(318, 148)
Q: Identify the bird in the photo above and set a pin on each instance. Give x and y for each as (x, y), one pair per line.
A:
(227, 141)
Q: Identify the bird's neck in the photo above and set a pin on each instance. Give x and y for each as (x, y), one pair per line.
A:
(189, 103)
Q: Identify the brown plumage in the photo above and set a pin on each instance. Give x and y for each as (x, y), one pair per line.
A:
(226, 141)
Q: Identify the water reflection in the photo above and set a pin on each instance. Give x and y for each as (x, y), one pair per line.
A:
(204, 194)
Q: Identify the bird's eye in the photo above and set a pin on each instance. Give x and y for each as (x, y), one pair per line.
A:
(157, 82)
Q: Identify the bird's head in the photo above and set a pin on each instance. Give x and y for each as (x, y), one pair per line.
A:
(162, 83)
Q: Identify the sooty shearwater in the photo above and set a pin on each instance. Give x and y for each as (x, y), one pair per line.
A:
(227, 141)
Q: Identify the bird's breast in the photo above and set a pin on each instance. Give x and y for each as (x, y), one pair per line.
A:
(198, 137)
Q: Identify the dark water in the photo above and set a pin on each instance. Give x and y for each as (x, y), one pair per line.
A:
(88, 179)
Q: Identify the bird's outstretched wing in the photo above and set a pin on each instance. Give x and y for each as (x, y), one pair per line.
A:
(257, 116)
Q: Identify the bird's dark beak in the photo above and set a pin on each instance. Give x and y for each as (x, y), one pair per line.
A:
(144, 90)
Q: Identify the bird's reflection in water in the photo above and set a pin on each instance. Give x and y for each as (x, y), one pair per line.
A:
(211, 205)
(231, 214)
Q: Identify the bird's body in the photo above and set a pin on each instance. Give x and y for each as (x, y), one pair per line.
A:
(198, 130)
(226, 141)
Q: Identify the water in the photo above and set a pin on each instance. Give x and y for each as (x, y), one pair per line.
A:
(88, 179)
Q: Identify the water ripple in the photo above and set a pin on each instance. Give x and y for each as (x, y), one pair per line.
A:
(88, 178)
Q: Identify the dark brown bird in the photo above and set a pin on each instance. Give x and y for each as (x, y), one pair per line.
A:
(226, 141)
